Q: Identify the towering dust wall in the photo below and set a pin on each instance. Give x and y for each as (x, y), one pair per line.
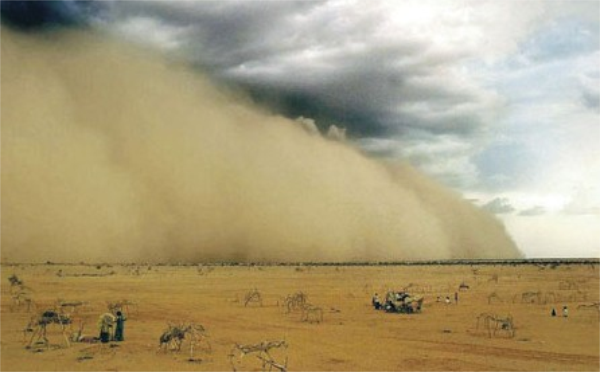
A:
(112, 154)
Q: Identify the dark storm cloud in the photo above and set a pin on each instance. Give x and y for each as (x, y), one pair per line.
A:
(38, 15)
(311, 59)
(337, 63)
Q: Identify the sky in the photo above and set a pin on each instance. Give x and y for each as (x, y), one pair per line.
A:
(498, 100)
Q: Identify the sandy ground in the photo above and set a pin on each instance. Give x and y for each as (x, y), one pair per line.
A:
(352, 336)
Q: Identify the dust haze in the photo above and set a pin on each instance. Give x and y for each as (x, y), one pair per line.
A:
(114, 154)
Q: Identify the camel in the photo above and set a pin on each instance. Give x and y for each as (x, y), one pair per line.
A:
(173, 337)
(39, 326)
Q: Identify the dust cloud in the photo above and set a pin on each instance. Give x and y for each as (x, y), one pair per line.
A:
(114, 154)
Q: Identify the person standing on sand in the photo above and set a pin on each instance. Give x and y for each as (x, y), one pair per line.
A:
(553, 313)
(456, 298)
(120, 326)
(565, 311)
(105, 323)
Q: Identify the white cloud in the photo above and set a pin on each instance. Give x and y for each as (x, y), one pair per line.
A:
(555, 235)
(585, 201)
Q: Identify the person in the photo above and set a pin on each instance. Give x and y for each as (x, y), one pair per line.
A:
(120, 326)
(376, 302)
(390, 307)
(408, 305)
(447, 300)
(105, 323)
(400, 296)
(553, 313)
(456, 297)
(565, 311)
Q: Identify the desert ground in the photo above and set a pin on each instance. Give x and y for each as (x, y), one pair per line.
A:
(352, 336)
